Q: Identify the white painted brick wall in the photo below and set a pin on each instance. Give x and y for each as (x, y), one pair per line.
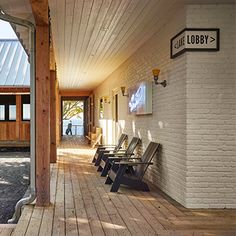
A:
(167, 124)
(194, 117)
(211, 112)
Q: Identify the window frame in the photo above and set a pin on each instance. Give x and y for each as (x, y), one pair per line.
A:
(7, 101)
(25, 100)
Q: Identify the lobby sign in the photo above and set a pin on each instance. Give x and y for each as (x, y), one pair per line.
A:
(191, 39)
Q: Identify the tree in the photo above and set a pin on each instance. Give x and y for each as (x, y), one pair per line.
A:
(71, 109)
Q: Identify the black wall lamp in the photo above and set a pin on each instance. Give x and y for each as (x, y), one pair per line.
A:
(155, 73)
(123, 91)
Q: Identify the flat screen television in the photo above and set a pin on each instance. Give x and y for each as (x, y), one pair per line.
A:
(140, 98)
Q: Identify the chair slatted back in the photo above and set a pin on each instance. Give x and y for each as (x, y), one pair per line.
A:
(132, 145)
(120, 142)
(147, 157)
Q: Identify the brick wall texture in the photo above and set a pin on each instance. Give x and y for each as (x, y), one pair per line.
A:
(194, 117)
(211, 112)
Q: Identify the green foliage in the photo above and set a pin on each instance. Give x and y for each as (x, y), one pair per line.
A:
(71, 109)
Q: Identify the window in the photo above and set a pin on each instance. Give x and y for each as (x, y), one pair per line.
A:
(101, 108)
(2, 112)
(26, 111)
(7, 107)
(25, 107)
(12, 112)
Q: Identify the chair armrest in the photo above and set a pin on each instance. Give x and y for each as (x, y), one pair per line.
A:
(120, 156)
(132, 163)
(123, 157)
(106, 146)
(117, 154)
(108, 154)
(115, 159)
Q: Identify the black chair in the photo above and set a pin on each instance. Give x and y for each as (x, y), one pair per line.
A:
(108, 148)
(107, 158)
(120, 171)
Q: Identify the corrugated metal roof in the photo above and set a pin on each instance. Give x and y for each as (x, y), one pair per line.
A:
(14, 64)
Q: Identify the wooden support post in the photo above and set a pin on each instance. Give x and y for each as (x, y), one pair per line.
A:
(53, 148)
(57, 114)
(18, 116)
(60, 118)
(42, 116)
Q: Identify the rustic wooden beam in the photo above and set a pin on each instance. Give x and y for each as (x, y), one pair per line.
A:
(60, 116)
(42, 116)
(52, 57)
(58, 105)
(74, 93)
(14, 90)
(40, 11)
(18, 116)
(53, 148)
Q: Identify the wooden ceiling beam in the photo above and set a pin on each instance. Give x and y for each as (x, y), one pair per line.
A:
(74, 93)
(11, 89)
(40, 11)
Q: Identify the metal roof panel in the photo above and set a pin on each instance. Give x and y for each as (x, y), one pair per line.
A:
(14, 64)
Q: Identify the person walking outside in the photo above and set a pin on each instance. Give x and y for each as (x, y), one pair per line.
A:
(69, 128)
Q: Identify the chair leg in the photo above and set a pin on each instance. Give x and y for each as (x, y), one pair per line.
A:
(98, 160)
(99, 168)
(144, 187)
(117, 181)
(108, 180)
(106, 169)
(95, 157)
(115, 186)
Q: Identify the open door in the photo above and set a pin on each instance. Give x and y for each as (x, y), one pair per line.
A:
(115, 114)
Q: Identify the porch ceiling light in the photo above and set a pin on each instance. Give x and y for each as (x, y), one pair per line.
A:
(156, 73)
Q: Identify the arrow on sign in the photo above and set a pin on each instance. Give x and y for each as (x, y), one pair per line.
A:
(212, 39)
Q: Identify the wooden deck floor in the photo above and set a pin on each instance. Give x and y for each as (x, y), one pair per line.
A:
(83, 205)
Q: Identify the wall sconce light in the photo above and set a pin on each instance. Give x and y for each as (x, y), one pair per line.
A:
(155, 73)
(123, 91)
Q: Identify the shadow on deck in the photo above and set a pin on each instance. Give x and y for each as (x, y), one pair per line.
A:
(83, 205)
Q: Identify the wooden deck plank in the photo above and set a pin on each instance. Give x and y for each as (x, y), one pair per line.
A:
(70, 214)
(95, 224)
(103, 215)
(161, 220)
(6, 231)
(24, 221)
(59, 213)
(48, 214)
(143, 207)
(82, 218)
(143, 224)
(35, 221)
(47, 221)
(117, 221)
(127, 217)
(83, 205)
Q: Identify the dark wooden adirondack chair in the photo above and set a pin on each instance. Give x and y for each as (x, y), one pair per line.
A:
(108, 149)
(107, 158)
(121, 174)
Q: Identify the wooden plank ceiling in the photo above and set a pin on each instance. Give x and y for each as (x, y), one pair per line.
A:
(93, 37)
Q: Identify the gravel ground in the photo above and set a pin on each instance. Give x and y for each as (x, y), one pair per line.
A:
(14, 181)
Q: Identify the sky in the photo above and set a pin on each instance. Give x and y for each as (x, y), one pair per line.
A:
(6, 31)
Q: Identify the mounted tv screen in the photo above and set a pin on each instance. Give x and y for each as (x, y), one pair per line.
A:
(140, 98)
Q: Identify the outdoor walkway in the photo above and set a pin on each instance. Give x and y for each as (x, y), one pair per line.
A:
(83, 205)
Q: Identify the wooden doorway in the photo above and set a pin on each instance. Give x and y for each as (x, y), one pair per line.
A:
(73, 116)
(115, 114)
